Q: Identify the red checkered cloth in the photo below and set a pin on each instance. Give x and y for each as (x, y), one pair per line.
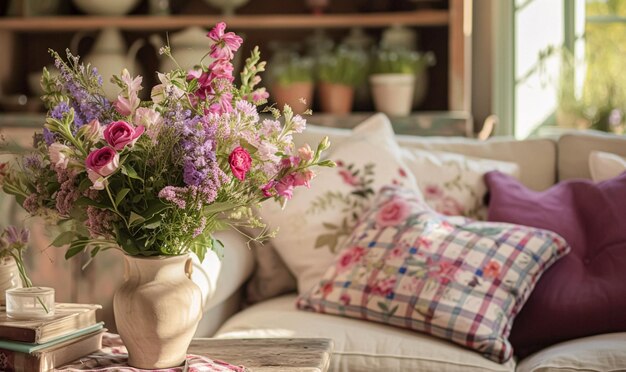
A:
(113, 357)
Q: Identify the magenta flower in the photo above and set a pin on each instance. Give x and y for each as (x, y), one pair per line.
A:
(268, 189)
(285, 186)
(103, 161)
(221, 69)
(225, 44)
(119, 134)
(240, 162)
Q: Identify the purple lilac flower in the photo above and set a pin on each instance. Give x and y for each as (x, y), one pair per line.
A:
(59, 110)
(174, 195)
(99, 222)
(68, 193)
(15, 235)
(48, 136)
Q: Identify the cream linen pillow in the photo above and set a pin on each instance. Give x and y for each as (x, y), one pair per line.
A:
(452, 184)
(605, 165)
(317, 221)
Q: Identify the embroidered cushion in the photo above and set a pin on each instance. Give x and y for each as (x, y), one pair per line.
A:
(317, 221)
(452, 277)
(585, 293)
(453, 184)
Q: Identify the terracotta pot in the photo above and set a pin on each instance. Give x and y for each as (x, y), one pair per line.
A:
(292, 95)
(393, 93)
(157, 310)
(336, 98)
(9, 277)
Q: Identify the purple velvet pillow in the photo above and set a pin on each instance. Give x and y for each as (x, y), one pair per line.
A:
(584, 293)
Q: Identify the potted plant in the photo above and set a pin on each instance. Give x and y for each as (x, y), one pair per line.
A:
(293, 83)
(339, 73)
(156, 179)
(393, 79)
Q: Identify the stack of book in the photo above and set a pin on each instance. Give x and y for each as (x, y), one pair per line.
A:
(40, 345)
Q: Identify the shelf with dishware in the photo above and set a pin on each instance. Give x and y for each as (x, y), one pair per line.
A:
(444, 28)
(266, 21)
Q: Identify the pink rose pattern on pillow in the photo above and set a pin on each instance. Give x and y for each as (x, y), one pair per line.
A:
(455, 278)
(352, 204)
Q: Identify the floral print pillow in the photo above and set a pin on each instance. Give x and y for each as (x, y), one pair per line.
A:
(452, 277)
(452, 184)
(316, 222)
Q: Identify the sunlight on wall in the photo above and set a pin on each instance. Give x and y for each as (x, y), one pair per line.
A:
(538, 24)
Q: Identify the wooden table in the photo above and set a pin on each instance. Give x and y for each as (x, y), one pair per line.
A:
(268, 354)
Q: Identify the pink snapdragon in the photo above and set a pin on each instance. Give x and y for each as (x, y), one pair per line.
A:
(221, 69)
(225, 44)
(128, 101)
(305, 152)
(120, 134)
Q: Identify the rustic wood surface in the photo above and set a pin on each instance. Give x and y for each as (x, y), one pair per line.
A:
(264, 355)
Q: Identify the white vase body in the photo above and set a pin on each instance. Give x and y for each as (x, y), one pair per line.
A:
(393, 93)
(157, 310)
(9, 276)
(106, 7)
(110, 57)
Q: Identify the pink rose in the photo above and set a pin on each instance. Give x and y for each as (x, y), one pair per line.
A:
(103, 161)
(240, 162)
(119, 134)
(433, 192)
(384, 287)
(392, 213)
(449, 207)
(350, 257)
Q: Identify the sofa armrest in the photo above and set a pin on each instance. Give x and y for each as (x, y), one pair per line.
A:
(220, 279)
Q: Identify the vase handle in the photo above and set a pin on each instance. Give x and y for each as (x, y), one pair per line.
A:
(189, 268)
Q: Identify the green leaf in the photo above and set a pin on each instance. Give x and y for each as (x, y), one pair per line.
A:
(63, 239)
(86, 201)
(135, 219)
(121, 195)
(75, 248)
(325, 239)
(219, 207)
(330, 226)
(383, 306)
(131, 172)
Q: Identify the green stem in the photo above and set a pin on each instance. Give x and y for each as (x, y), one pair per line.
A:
(26, 282)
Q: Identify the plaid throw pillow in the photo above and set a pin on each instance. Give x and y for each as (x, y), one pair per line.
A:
(452, 277)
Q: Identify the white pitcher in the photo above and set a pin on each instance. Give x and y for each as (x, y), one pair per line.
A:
(189, 47)
(110, 57)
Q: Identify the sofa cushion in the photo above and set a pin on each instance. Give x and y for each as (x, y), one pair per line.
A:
(605, 165)
(536, 157)
(359, 345)
(574, 149)
(315, 222)
(584, 293)
(459, 279)
(600, 353)
(453, 184)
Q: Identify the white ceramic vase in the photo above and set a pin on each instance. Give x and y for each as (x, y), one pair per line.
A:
(9, 276)
(157, 310)
(393, 93)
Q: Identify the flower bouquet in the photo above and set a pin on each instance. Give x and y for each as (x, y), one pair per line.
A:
(158, 178)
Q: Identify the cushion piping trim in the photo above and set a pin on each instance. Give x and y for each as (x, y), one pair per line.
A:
(351, 353)
(572, 368)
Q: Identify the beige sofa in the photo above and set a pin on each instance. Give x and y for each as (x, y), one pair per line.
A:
(365, 346)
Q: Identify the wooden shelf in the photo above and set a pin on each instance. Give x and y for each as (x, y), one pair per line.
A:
(290, 21)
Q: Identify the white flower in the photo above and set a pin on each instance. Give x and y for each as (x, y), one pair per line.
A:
(161, 92)
(299, 124)
(267, 151)
(98, 181)
(59, 155)
(147, 117)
